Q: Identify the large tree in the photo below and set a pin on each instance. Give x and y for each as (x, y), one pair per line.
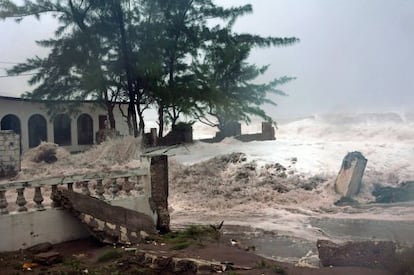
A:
(156, 53)
(89, 57)
(183, 28)
(227, 81)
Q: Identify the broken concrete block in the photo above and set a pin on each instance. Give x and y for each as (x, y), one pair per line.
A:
(374, 254)
(48, 258)
(40, 248)
(387, 194)
(348, 182)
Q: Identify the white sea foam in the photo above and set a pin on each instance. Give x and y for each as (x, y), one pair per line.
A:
(283, 186)
(249, 192)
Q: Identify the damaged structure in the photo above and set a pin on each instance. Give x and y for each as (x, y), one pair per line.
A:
(115, 207)
(234, 130)
(349, 179)
(9, 153)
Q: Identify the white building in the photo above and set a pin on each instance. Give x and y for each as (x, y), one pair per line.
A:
(75, 131)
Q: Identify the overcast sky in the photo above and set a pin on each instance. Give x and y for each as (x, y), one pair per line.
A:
(354, 55)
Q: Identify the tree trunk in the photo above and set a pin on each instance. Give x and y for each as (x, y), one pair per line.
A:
(161, 119)
(111, 117)
(127, 64)
(141, 128)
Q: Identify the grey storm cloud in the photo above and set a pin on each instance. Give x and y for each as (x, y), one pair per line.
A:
(354, 55)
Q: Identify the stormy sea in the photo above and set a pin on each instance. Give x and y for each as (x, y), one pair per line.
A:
(279, 196)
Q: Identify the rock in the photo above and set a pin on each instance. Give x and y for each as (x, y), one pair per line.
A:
(161, 263)
(39, 248)
(372, 254)
(46, 152)
(144, 235)
(346, 201)
(311, 183)
(349, 179)
(183, 265)
(48, 258)
(403, 193)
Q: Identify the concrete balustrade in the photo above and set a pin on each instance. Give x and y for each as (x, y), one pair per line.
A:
(30, 210)
(40, 186)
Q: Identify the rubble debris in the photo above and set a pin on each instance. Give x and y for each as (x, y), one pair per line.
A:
(46, 152)
(178, 265)
(48, 258)
(40, 248)
(373, 254)
(29, 266)
(349, 180)
(346, 201)
(108, 223)
(402, 193)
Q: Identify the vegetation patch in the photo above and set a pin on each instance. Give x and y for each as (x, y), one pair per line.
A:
(274, 267)
(403, 263)
(109, 255)
(195, 234)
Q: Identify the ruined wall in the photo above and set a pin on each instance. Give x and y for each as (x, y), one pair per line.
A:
(9, 153)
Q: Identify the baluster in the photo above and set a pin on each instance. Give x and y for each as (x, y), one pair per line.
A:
(146, 184)
(85, 188)
(70, 186)
(100, 189)
(21, 201)
(38, 198)
(3, 202)
(127, 186)
(114, 188)
(54, 196)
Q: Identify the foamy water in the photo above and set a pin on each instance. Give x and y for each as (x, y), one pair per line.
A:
(281, 192)
(252, 192)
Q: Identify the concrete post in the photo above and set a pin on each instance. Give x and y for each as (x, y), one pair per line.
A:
(159, 191)
(154, 137)
(348, 182)
(268, 131)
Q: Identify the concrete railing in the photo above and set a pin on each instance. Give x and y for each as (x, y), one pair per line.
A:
(30, 213)
(119, 181)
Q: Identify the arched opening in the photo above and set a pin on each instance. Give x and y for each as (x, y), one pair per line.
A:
(37, 130)
(61, 130)
(11, 122)
(85, 129)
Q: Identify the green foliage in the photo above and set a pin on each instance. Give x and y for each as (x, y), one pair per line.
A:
(73, 263)
(109, 255)
(272, 266)
(228, 80)
(195, 234)
(148, 53)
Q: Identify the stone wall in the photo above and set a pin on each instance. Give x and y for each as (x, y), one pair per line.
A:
(123, 208)
(9, 153)
(268, 133)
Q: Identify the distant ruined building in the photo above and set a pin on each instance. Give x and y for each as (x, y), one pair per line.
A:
(75, 132)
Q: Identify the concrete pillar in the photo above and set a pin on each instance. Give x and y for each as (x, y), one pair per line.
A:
(348, 182)
(9, 153)
(268, 131)
(159, 191)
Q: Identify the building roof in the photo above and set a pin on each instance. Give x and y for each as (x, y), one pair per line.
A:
(49, 100)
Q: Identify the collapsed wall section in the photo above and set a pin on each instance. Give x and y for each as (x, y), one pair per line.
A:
(9, 153)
